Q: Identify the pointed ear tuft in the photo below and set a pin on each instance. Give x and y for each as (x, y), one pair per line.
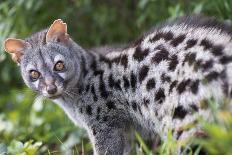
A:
(57, 32)
(15, 47)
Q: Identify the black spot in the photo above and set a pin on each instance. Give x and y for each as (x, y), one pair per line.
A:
(217, 50)
(94, 131)
(84, 70)
(198, 64)
(81, 89)
(173, 62)
(134, 106)
(124, 61)
(212, 76)
(133, 81)
(179, 133)
(143, 73)
(194, 107)
(117, 85)
(126, 82)
(150, 84)
(179, 112)
(160, 55)
(105, 118)
(139, 108)
(173, 84)
(98, 110)
(93, 65)
(207, 65)
(194, 86)
(146, 102)
(98, 113)
(140, 54)
(190, 58)
(127, 103)
(106, 60)
(102, 88)
(89, 110)
(176, 41)
(225, 59)
(206, 44)
(168, 36)
(190, 43)
(160, 96)
(94, 94)
(182, 86)
(157, 36)
(165, 78)
(87, 87)
(111, 81)
(98, 72)
(110, 105)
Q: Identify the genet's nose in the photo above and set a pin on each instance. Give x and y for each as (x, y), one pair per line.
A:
(51, 89)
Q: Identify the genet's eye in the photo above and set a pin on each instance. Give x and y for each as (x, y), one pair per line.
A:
(34, 74)
(59, 66)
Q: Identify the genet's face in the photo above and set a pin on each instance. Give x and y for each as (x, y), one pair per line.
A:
(48, 69)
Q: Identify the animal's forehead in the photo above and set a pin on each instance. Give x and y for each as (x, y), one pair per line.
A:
(44, 54)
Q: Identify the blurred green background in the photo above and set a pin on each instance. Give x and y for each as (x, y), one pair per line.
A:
(31, 124)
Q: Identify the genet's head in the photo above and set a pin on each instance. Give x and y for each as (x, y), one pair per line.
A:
(46, 61)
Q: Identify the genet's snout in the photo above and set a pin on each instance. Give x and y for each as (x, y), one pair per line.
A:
(51, 89)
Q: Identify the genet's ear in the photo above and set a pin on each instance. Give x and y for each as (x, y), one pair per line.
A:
(57, 32)
(16, 48)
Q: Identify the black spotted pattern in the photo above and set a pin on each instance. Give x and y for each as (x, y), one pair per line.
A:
(102, 88)
(190, 58)
(173, 62)
(212, 76)
(225, 59)
(160, 96)
(194, 86)
(150, 84)
(217, 50)
(140, 54)
(95, 98)
(124, 61)
(190, 43)
(133, 81)
(165, 78)
(89, 110)
(126, 82)
(179, 113)
(179, 39)
(134, 105)
(146, 102)
(206, 44)
(183, 85)
(110, 105)
(173, 84)
(160, 55)
(143, 73)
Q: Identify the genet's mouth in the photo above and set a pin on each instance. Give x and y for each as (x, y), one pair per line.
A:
(54, 97)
